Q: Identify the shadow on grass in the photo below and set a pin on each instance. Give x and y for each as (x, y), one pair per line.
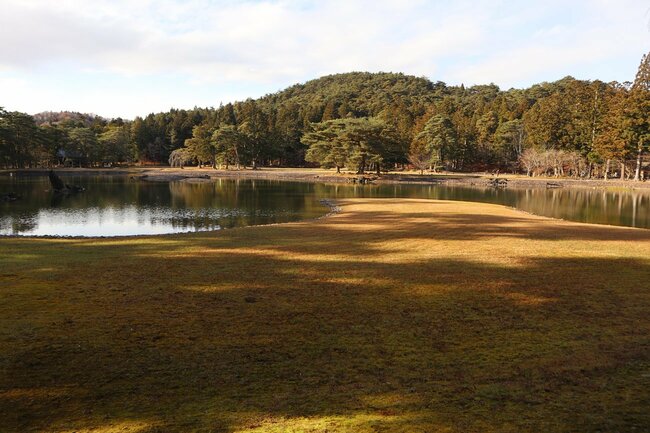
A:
(319, 325)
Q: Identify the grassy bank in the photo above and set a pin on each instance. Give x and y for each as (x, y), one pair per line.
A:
(394, 315)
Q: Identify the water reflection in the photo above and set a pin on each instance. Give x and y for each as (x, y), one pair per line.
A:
(117, 205)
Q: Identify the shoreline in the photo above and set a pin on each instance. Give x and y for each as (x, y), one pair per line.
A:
(318, 175)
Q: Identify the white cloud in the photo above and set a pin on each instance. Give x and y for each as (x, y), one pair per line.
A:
(224, 45)
(251, 40)
(598, 42)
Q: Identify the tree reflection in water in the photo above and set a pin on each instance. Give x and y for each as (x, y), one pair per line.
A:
(118, 205)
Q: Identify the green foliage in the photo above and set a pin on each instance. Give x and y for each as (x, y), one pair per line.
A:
(637, 111)
(255, 128)
(610, 142)
(116, 145)
(180, 157)
(19, 138)
(509, 140)
(642, 79)
(325, 146)
(200, 146)
(228, 144)
(83, 145)
(365, 120)
(356, 143)
(438, 137)
(421, 156)
(636, 118)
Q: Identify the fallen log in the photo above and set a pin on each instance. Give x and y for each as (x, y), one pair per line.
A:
(55, 181)
(10, 196)
(62, 188)
(499, 182)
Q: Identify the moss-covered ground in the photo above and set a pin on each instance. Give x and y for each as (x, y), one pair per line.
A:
(391, 316)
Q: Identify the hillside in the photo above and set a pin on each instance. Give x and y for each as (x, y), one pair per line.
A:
(568, 127)
(363, 93)
(56, 117)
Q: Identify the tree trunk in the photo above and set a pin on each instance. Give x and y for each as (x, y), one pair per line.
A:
(362, 165)
(237, 157)
(623, 170)
(639, 163)
(607, 164)
(338, 169)
(378, 166)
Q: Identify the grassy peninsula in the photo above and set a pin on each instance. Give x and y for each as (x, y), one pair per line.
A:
(390, 316)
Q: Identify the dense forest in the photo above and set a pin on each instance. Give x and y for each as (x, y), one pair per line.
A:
(366, 121)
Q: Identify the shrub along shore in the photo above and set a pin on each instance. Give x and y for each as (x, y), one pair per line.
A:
(392, 315)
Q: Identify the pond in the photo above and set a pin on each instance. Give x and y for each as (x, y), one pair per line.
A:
(115, 205)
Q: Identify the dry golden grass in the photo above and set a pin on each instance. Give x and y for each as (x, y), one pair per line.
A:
(392, 316)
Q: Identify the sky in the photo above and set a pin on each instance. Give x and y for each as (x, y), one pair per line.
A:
(124, 58)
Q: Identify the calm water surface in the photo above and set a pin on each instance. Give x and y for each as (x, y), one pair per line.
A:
(120, 206)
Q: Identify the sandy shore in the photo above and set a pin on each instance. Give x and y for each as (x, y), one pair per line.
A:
(330, 176)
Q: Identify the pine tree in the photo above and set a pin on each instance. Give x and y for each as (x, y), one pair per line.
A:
(440, 137)
(637, 114)
(642, 80)
(325, 146)
(228, 143)
(611, 144)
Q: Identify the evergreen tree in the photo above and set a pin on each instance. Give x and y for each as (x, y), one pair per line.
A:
(386, 119)
(83, 146)
(254, 126)
(642, 79)
(201, 146)
(637, 114)
(509, 141)
(439, 137)
(325, 146)
(115, 145)
(228, 144)
(611, 143)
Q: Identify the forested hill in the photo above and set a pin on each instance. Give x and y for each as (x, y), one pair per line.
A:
(59, 117)
(364, 93)
(362, 120)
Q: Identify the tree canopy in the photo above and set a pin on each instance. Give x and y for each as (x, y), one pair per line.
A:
(360, 121)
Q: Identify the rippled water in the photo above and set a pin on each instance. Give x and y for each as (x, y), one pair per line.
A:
(119, 206)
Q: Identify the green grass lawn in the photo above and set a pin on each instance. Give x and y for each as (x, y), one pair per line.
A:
(392, 316)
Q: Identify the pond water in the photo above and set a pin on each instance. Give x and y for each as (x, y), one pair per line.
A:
(118, 206)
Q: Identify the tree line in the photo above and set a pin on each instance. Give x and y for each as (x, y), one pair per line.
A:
(367, 121)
